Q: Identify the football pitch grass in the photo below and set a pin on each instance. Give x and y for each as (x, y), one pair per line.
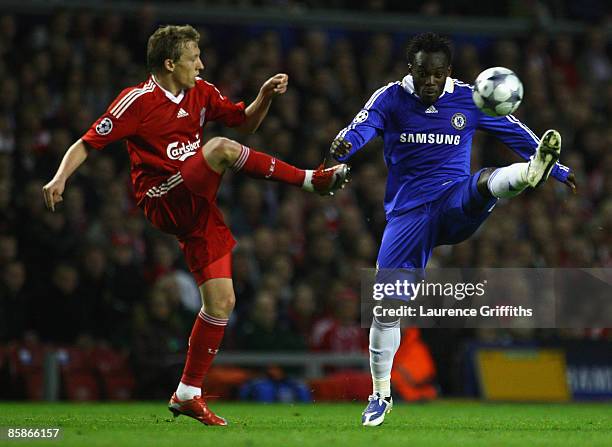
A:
(443, 423)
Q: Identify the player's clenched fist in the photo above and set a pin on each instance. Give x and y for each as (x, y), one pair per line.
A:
(276, 85)
(52, 192)
(340, 148)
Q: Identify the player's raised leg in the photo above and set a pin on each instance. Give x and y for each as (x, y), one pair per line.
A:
(511, 180)
(218, 302)
(223, 153)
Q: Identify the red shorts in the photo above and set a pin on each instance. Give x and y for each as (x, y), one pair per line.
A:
(221, 268)
(187, 208)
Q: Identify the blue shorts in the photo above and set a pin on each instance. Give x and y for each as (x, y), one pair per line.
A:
(410, 237)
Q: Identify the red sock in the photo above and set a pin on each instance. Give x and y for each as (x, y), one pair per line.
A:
(204, 343)
(260, 165)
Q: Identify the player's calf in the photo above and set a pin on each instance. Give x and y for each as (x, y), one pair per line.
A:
(264, 166)
(222, 153)
(508, 181)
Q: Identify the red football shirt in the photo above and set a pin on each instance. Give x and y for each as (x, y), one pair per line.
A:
(161, 130)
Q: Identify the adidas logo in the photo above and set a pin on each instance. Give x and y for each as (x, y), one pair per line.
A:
(431, 109)
(181, 113)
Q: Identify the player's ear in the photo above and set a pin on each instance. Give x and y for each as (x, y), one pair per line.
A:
(409, 68)
(169, 65)
(449, 70)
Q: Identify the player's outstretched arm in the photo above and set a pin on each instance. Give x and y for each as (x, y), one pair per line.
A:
(258, 109)
(73, 158)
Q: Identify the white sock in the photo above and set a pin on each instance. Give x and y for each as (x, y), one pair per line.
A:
(187, 392)
(307, 185)
(384, 341)
(509, 181)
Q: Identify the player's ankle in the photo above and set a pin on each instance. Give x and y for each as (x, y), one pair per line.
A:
(187, 392)
(382, 386)
(307, 184)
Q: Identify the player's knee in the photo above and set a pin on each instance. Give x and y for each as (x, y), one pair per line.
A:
(386, 322)
(221, 150)
(220, 305)
(227, 304)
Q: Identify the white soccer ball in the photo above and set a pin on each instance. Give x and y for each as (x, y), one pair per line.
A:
(497, 91)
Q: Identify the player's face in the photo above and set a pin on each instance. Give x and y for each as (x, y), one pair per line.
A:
(429, 72)
(188, 66)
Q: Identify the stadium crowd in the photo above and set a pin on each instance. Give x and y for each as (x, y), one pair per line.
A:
(97, 271)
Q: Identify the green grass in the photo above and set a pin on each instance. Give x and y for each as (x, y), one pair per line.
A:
(443, 423)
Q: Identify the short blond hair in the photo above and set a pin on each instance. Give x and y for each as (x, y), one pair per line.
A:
(167, 42)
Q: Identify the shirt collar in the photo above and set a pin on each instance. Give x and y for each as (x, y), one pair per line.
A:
(408, 85)
(175, 99)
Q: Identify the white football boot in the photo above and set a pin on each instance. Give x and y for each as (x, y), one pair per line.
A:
(545, 157)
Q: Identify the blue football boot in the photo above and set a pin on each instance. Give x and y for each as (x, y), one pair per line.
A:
(374, 414)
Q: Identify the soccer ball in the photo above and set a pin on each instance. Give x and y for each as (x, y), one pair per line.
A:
(497, 91)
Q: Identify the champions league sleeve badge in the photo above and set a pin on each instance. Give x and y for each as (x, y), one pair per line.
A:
(361, 117)
(104, 127)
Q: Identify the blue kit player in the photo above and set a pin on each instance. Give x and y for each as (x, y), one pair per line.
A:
(427, 121)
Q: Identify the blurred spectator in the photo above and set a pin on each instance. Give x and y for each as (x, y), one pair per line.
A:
(341, 331)
(14, 301)
(60, 314)
(302, 312)
(596, 64)
(158, 338)
(262, 330)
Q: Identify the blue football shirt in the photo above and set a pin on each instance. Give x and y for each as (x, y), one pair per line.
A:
(427, 149)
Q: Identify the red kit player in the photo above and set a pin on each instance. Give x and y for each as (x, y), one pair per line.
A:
(176, 179)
